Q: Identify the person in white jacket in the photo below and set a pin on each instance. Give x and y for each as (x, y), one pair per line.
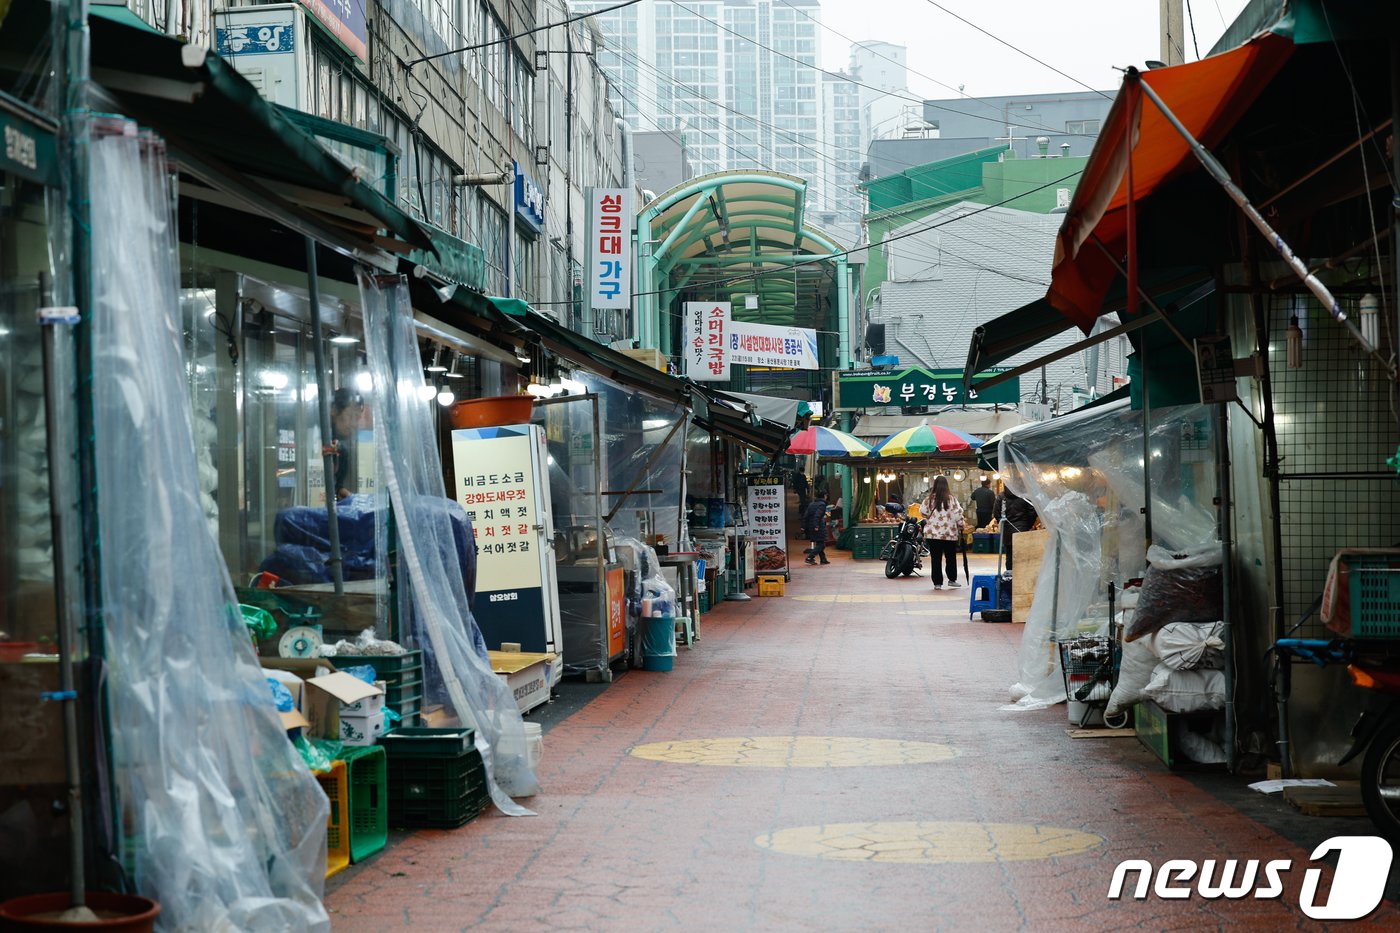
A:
(943, 529)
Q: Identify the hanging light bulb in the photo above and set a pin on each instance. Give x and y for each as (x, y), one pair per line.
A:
(445, 397)
(1370, 321)
(1295, 344)
(426, 392)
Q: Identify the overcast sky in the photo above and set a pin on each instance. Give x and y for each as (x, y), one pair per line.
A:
(1083, 38)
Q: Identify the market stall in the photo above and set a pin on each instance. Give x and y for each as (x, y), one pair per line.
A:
(1086, 474)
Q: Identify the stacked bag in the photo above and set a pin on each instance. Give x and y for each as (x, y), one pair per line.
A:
(1173, 643)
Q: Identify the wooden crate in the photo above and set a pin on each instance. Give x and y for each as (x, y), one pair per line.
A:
(1028, 553)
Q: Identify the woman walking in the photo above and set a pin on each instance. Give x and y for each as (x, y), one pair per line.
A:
(943, 529)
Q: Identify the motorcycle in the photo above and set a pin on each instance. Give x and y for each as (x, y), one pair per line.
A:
(904, 552)
(1377, 734)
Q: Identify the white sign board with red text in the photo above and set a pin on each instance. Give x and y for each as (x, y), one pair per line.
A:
(609, 242)
(706, 340)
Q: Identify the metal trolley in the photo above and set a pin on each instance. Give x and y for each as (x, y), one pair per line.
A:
(1090, 666)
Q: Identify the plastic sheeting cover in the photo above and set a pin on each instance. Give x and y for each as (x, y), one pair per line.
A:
(1084, 475)
(441, 622)
(221, 820)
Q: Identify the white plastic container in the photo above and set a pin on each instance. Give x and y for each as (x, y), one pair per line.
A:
(534, 743)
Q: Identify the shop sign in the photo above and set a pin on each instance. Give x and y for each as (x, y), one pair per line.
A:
(707, 327)
(616, 581)
(1215, 369)
(27, 150)
(456, 261)
(773, 347)
(767, 520)
(529, 200)
(344, 19)
(609, 231)
(916, 387)
(255, 39)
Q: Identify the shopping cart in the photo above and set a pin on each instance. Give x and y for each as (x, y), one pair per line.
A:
(1090, 666)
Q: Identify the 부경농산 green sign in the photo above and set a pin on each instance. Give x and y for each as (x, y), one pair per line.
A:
(916, 387)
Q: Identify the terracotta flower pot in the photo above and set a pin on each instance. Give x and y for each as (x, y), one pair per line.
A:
(117, 913)
(491, 412)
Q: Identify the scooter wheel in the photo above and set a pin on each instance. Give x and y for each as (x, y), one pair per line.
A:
(1118, 720)
(1380, 772)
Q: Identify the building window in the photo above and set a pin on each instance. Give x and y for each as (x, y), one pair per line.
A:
(1082, 127)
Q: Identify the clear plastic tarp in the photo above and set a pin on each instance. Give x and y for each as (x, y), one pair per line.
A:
(1084, 473)
(220, 819)
(434, 609)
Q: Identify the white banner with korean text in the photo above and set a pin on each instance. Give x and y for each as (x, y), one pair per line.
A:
(773, 347)
(609, 247)
(706, 340)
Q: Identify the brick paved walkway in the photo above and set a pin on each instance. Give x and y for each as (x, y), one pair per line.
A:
(1037, 821)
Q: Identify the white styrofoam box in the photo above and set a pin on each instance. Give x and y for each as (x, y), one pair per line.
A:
(367, 706)
(361, 730)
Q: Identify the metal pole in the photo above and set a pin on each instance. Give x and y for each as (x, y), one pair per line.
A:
(604, 624)
(1395, 194)
(323, 396)
(1221, 424)
(1134, 84)
(1299, 267)
(59, 418)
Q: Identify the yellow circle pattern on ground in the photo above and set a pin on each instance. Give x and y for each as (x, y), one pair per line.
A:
(931, 843)
(803, 751)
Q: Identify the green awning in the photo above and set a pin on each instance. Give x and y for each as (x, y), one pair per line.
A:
(223, 131)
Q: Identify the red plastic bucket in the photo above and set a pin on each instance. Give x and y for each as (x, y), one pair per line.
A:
(492, 412)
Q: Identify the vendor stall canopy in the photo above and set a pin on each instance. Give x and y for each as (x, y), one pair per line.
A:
(1327, 60)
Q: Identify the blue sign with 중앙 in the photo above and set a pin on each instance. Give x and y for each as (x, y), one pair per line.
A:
(255, 39)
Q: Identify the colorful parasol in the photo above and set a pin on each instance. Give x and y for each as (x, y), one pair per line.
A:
(825, 442)
(926, 439)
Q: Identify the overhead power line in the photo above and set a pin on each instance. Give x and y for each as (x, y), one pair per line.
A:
(520, 35)
(847, 78)
(1014, 48)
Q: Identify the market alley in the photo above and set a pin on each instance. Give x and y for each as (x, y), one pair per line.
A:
(831, 760)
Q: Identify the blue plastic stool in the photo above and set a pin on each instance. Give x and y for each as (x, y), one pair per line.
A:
(984, 593)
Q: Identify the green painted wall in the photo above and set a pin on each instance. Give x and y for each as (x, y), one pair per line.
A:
(919, 192)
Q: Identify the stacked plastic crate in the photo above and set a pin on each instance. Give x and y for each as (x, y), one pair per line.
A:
(437, 779)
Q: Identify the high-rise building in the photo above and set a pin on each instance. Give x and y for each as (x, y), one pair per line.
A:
(844, 141)
(738, 79)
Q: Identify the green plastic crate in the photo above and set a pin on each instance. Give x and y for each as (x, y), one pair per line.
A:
(437, 792)
(418, 742)
(397, 690)
(389, 664)
(410, 711)
(1375, 596)
(369, 800)
(435, 813)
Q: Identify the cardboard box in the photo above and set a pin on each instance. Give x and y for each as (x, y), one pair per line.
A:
(293, 719)
(323, 698)
(528, 675)
(1029, 550)
(293, 672)
(361, 730)
(369, 706)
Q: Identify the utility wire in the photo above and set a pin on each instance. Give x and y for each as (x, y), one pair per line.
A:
(827, 257)
(1014, 48)
(1191, 18)
(520, 35)
(844, 77)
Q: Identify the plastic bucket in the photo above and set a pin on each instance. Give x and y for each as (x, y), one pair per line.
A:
(659, 643)
(490, 412)
(534, 744)
(120, 913)
(1077, 712)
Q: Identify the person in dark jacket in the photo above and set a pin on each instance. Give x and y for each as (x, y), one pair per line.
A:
(815, 521)
(1016, 515)
(985, 501)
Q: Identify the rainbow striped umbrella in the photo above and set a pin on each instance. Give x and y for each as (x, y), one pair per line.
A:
(825, 442)
(926, 439)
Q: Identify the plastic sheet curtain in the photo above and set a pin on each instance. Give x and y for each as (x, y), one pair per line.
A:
(1084, 475)
(434, 610)
(219, 819)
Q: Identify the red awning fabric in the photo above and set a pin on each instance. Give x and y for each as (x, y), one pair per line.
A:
(1208, 97)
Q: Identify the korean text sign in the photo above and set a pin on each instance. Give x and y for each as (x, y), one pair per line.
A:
(609, 247)
(768, 523)
(774, 347)
(706, 340)
(919, 387)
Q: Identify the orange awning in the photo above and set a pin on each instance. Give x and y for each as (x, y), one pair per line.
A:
(1209, 97)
